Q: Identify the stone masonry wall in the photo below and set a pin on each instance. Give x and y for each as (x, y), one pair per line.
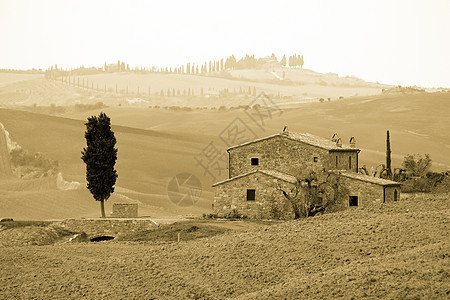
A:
(124, 210)
(369, 194)
(269, 202)
(278, 153)
(389, 192)
(107, 226)
(343, 162)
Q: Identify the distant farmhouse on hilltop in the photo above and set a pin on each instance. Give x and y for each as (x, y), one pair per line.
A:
(261, 169)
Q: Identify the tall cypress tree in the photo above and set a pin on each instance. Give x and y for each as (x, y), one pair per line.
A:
(100, 157)
(283, 60)
(388, 155)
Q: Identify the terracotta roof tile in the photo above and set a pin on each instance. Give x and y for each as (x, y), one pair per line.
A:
(306, 138)
(371, 179)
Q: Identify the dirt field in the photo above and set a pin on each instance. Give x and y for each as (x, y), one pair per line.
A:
(398, 251)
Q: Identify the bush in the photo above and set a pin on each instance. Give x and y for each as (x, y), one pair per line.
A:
(234, 214)
(209, 216)
(442, 186)
(21, 158)
(432, 182)
(415, 185)
(417, 165)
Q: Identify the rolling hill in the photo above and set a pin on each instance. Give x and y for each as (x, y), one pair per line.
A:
(132, 89)
(155, 144)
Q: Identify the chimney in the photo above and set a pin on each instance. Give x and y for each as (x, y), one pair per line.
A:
(285, 130)
(335, 137)
(339, 142)
(352, 142)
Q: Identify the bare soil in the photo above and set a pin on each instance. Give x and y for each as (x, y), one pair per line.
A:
(400, 250)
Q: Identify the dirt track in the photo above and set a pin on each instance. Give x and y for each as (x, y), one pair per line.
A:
(400, 251)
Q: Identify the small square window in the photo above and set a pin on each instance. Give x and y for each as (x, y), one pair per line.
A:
(251, 194)
(316, 159)
(255, 161)
(353, 200)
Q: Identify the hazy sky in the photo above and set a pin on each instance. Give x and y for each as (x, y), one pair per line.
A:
(397, 42)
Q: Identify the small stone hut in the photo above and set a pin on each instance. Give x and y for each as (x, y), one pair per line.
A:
(125, 210)
(367, 190)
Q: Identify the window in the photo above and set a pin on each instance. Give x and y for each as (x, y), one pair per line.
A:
(350, 162)
(336, 161)
(316, 159)
(255, 161)
(395, 195)
(251, 193)
(353, 201)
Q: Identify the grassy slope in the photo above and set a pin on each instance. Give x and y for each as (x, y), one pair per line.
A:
(299, 83)
(9, 78)
(156, 144)
(398, 251)
(147, 160)
(417, 124)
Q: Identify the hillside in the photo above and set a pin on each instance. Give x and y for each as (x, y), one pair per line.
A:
(156, 144)
(399, 251)
(417, 124)
(233, 88)
(147, 161)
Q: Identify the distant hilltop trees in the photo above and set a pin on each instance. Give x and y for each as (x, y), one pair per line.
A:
(211, 66)
(29, 71)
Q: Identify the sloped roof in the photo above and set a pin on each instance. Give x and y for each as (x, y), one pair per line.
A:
(371, 179)
(306, 138)
(278, 175)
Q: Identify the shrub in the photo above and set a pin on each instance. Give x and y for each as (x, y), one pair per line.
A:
(442, 186)
(234, 214)
(209, 216)
(432, 182)
(414, 185)
(21, 158)
(416, 164)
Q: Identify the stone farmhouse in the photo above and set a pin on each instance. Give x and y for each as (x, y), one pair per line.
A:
(258, 169)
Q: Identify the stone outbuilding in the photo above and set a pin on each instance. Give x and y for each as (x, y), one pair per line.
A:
(368, 191)
(125, 210)
(259, 170)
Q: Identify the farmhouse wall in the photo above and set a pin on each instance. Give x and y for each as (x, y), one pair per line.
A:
(269, 202)
(346, 160)
(390, 193)
(280, 154)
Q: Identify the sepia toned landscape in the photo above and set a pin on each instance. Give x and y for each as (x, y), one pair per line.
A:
(225, 173)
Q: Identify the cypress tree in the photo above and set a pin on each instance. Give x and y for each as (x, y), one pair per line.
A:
(100, 157)
(388, 155)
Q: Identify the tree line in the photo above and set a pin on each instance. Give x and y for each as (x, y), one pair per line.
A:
(211, 66)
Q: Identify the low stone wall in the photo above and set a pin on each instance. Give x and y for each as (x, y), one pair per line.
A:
(107, 226)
